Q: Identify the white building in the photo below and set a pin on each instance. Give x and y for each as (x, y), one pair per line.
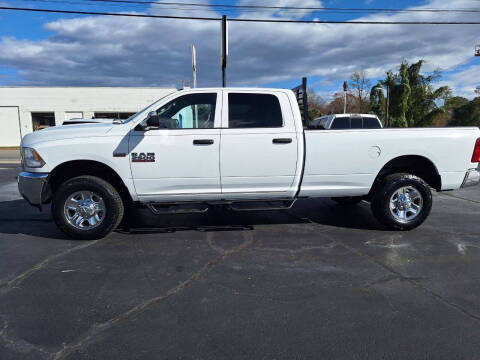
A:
(27, 109)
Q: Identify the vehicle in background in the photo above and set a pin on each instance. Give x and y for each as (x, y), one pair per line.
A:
(347, 121)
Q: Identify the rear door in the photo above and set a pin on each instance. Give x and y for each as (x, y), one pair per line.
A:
(258, 150)
(181, 159)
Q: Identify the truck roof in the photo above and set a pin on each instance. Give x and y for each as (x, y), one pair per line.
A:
(235, 89)
(350, 115)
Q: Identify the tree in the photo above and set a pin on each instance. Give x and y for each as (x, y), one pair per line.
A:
(467, 115)
(454, 102)
(360, 84)
(317, 106)
(378, 102)
(336, 105)
(413, 98)
(401, 94)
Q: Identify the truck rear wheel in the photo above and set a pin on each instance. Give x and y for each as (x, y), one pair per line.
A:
(402, 201)
(87, 208)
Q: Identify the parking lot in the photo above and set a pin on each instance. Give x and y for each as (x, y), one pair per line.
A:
(319, 281)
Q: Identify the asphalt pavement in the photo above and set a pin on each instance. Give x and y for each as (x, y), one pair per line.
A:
(320, 281)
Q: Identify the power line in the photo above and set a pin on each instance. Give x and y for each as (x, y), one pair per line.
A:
(227, 8)
(243, 19)
(265, 7)
(288, 7)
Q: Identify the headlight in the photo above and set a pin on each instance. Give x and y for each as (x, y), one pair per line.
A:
(31, 159)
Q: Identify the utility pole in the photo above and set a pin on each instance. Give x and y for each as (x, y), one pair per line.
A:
(194, 66)
(345, 89)
(224, 49)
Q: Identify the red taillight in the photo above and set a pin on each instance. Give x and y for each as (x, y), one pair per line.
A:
(476, 152)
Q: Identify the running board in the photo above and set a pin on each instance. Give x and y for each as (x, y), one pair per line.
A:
(165, 209)
(264, 205)
(199, 208)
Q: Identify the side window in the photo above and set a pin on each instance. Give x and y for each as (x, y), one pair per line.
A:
(340, 123)
(371, 123)
(356, 123)
(193, 111)
(253, 111)
(323, 123)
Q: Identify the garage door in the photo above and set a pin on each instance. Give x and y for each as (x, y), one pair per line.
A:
(10, 126)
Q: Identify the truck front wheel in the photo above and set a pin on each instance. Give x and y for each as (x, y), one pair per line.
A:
(87, 208)
(402, 201)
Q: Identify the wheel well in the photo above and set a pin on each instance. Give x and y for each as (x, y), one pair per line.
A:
(415, 165)
(71, 169)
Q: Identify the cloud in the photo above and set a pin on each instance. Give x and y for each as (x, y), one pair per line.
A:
(464, 82)
(155, 52)
(276, 13)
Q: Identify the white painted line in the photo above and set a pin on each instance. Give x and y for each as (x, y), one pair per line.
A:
(4, 161)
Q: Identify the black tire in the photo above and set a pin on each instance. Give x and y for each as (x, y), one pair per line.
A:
(348, 200)
(383, 193)
(114, 208)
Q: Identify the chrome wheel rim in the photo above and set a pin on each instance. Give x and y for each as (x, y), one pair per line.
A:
(406, 204)
(84, 210)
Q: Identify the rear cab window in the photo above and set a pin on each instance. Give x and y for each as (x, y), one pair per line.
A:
(341, 123)
(356, 123)
(371, 123)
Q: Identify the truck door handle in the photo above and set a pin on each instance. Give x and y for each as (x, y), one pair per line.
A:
(282, 141)
(203, 142)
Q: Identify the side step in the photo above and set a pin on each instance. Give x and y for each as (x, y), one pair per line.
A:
(199, 208)
(262, 205)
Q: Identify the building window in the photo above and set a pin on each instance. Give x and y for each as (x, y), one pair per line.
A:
(42, 120)
(113, 115)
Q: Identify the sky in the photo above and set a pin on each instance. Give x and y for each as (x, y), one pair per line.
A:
(38, 49)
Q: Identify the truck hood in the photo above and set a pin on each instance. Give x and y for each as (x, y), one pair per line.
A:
(66, 132)
(77, 121)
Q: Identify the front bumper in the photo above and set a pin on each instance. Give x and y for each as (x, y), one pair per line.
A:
(32, 187)
(472, 177)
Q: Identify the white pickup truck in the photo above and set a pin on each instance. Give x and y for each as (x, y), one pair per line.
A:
(245, 148)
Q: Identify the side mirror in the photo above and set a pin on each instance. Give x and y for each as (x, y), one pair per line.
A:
(153, 120)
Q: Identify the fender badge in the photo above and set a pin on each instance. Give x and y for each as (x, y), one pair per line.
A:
(142, 157)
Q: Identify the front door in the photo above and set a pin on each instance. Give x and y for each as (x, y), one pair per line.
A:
(258, 151)
(179, 161)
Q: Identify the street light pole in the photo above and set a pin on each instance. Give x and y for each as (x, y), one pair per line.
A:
(345, 89)
(387, 106)
(194, 66)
